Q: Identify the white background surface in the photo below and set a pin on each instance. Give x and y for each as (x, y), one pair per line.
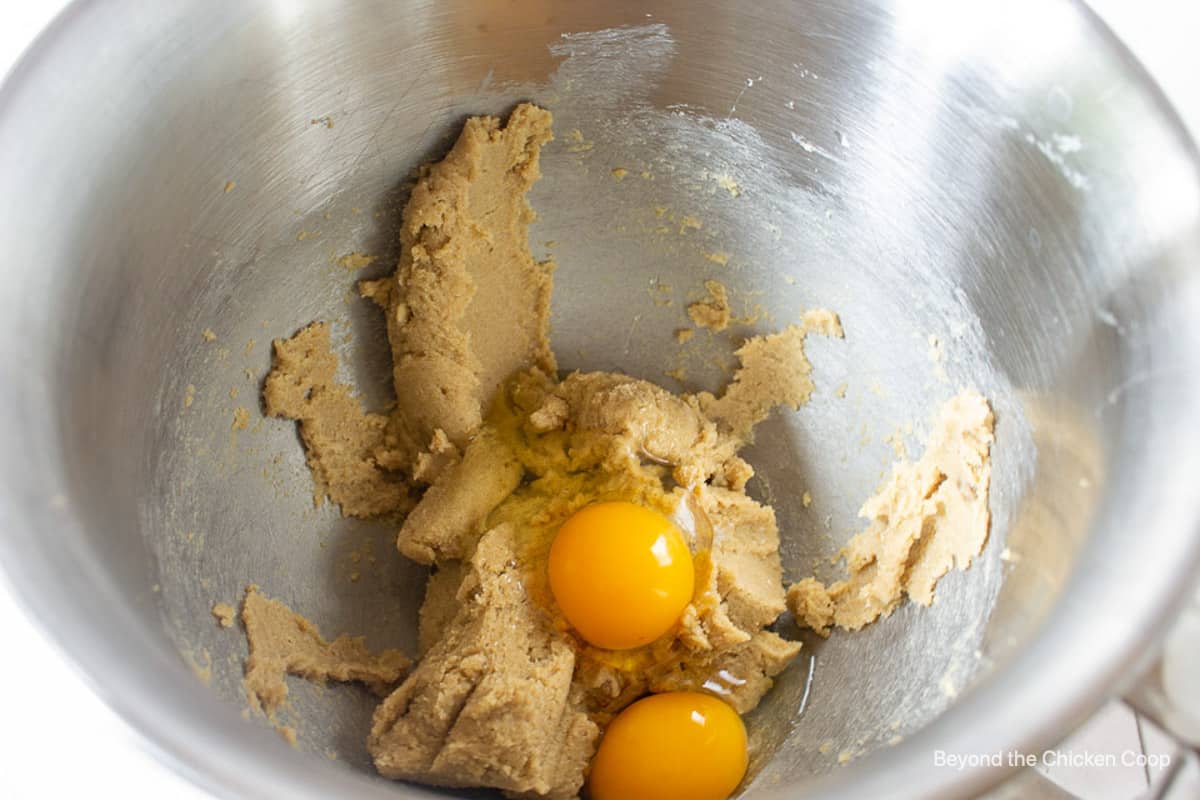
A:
(44, 698)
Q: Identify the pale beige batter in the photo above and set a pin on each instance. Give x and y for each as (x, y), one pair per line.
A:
(504, 694)
(930, 516)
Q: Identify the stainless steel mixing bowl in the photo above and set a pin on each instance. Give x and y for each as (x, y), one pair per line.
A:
(1003, 177)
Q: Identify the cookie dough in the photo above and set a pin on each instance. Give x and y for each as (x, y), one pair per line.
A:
(492, 702)
(284, 643)
(774, 371)
(349, 451)
(501, 450)
(930, 516)
(468, 306)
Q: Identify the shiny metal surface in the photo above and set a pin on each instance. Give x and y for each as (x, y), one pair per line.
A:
(1005, 179)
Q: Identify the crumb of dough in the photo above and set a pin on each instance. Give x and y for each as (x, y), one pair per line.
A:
(679, 374)
(619, 174)
(841, 389)
(728, 184)
(806, 499)
(824, 322)
(350, 452)
(714, 312)
(577, 143)
(241, 419)
(683, 335)
(845, 757)
(284, 643)
(929, 517)
(230, 186)
(287, 733)
(233, 393)
(355, 261)
(689, 222)
(189, 395)
(825, 748)
(224, 614)
(249, 348)
(208, 335)
(718, 257)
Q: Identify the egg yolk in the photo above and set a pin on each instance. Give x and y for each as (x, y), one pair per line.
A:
(621, 574)
(673, 746)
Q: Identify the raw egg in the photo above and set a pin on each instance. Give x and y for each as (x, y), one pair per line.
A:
(673, 746)
(621, 574)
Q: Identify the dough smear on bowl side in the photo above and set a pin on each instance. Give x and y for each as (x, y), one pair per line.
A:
(930, 516)
(487, 453)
